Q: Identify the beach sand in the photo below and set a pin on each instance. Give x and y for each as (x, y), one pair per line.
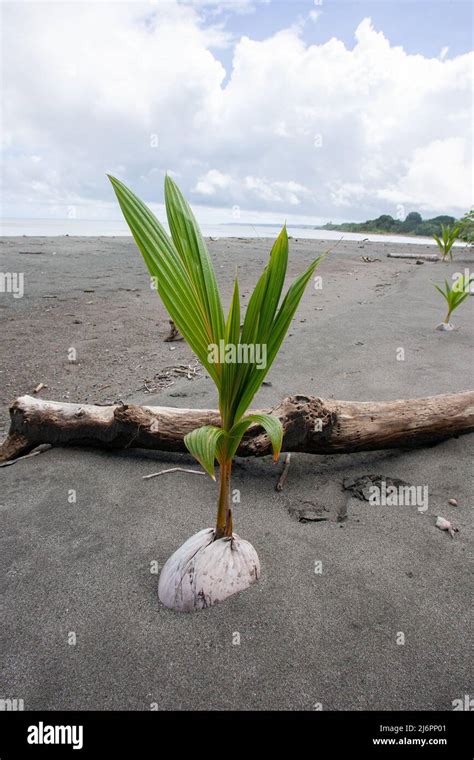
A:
(306, 639)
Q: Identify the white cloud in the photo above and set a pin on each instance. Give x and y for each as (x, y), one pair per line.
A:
(276, 192)
(435, 172)
(138, 90)
(212, 181)
(347, 194)
(259, 187)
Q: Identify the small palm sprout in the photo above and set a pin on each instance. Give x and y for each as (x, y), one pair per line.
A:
(215, 563)
(446, 240)
(454, 296)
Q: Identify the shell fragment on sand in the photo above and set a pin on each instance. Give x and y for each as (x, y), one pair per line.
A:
(444, 524)
(203, 572)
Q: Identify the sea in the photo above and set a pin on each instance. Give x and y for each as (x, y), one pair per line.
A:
(117, 228)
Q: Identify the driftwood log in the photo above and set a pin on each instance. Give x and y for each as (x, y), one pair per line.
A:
(311, 425)
(416, 256)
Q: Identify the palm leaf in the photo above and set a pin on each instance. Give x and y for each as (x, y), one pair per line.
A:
(462, 297)
(229, 370)
(203, 443)
(277, 334)
(275, 277)
(192, 249)
(252, 315)
(442, 292)
(270, 424)
(260, 313)
(175, 285)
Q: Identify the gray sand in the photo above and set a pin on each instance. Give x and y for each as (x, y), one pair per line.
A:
(304, 638)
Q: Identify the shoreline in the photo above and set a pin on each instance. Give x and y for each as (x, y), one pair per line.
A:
(213, 233)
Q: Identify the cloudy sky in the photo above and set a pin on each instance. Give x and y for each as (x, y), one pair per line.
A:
(299, 110)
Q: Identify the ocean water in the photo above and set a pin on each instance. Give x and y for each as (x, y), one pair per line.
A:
(99, 228)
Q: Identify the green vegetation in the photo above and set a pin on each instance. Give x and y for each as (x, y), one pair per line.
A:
(466, 228)
(446, 240)
(454, 296)
(186, 283)
(412, 225)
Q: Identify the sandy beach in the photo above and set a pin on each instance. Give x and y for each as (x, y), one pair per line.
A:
(306, 639)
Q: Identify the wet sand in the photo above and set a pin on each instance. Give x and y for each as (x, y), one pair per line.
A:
(305, 638)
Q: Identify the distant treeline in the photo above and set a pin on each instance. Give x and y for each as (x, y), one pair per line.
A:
(412, 225)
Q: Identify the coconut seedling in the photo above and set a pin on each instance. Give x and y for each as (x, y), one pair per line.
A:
(446, 240)
(454, 296)
(215, 562)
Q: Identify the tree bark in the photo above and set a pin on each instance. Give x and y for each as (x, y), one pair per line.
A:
(310, 424)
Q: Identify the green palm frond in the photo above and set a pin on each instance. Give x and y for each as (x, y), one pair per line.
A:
(186, 283)
(455, 295)
(204, 443)
(178, 284)
(270, 424)
(274, 338)
(232, 338)
(446, 240)
(192, 249)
